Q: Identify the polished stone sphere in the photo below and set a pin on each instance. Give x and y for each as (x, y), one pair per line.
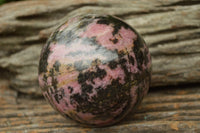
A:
(95, 69)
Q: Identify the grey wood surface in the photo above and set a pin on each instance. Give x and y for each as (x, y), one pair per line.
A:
(171, 29)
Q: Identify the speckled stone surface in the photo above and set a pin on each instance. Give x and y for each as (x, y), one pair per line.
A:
(95, 69)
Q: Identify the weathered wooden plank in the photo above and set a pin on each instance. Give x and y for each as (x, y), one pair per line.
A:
(7, 96)
(163, 110)
(171, 29)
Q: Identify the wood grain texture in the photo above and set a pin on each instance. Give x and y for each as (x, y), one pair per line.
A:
(163, 110)
(171, 29)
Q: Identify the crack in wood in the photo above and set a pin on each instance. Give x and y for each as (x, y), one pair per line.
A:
(59, 13)
(172, 29)
(134, 13)
(183, 3)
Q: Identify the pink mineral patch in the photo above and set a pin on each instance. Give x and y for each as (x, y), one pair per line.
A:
(41, 81)
(149, 58)
(58, 53)
(104, 36)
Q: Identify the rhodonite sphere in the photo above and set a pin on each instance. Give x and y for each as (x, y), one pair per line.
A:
(95, 69)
